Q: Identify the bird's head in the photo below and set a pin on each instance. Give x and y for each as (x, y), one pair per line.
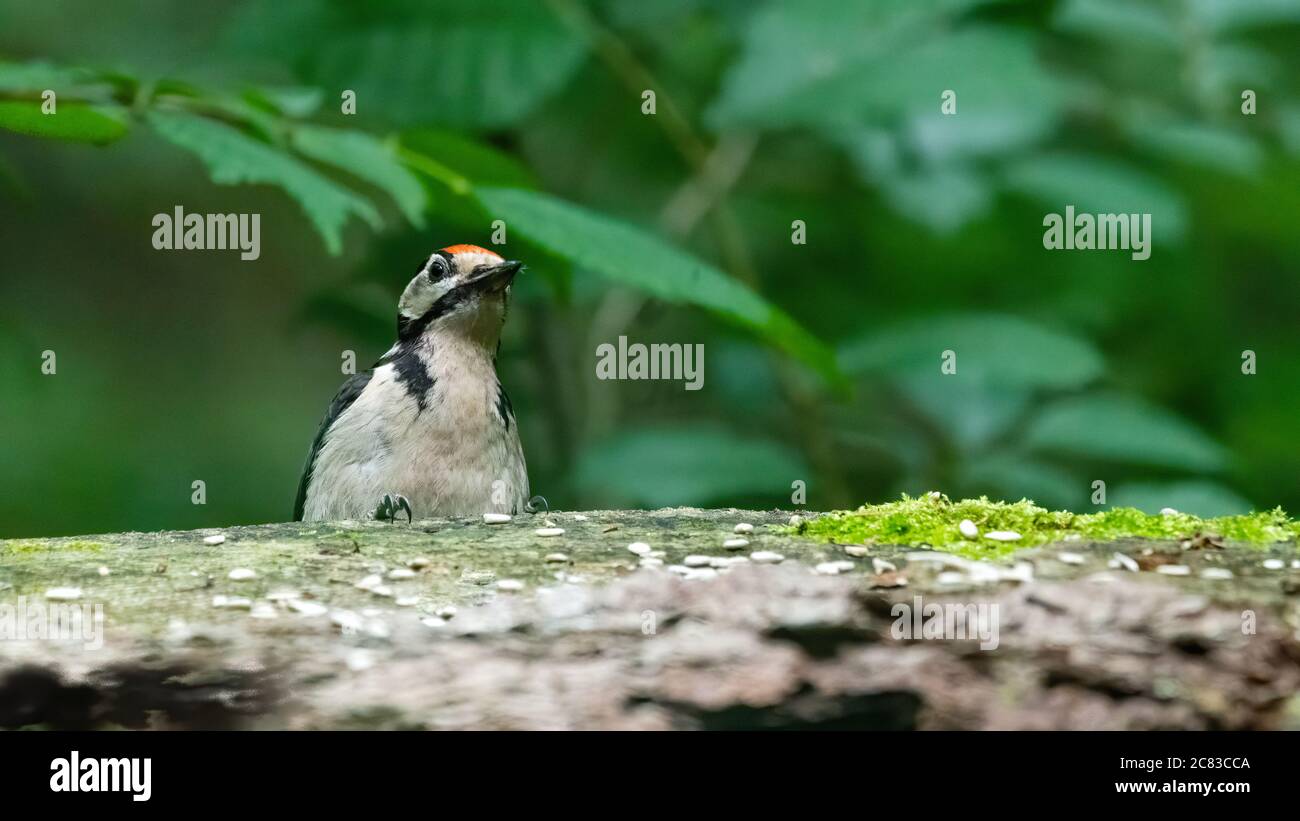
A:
(460, 289)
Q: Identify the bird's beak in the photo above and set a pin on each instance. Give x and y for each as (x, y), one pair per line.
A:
(493, 278)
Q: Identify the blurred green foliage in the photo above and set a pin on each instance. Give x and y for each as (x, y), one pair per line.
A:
(924, 234)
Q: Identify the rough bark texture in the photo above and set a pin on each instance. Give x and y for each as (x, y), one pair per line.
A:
(591, 641)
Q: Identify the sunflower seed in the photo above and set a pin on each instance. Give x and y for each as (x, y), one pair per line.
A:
(1126, 563)
(1003, 535)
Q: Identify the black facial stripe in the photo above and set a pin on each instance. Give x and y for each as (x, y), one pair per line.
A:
(408, 328)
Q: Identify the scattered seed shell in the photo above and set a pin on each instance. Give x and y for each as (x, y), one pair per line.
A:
(242, 574)
(496, 518)
(63, 593)
(766, 557)
(639, 548)
(743, 527)
(1003, 535)
(214, 540)
(735, 544)
(549, 531)
(1126, 562)
(969, 530)
(307, 608)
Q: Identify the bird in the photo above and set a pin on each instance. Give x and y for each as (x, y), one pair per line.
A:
(428, 431)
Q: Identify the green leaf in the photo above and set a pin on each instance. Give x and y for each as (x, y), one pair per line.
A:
(700, 465)
(1199, 144)
(368, 158)
(629, 256)
(1098, 186)
(287, 100)
(474, 161)
(899, 83)
(991, 349)
(793, 52)
(98, 124)
(1225, 16)
(1123, 429)
(233, 158)
(1141, 24)
(39, 76)
(1200, 498)
(971, 413)
(462, 63)
(942, 199)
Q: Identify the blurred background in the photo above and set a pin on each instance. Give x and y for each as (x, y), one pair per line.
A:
(667, 218)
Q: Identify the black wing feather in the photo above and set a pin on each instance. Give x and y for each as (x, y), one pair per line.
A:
(342, 401)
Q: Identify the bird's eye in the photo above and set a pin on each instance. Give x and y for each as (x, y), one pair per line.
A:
(438, 268)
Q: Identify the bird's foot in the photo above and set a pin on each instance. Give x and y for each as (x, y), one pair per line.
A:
(391, 505)
(537, 504)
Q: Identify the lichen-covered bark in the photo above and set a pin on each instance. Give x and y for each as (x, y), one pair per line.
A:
(590, 640)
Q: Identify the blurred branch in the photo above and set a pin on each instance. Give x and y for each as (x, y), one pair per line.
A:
(716, 171)
(620, 59)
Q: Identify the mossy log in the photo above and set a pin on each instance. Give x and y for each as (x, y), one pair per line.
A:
(461, 624)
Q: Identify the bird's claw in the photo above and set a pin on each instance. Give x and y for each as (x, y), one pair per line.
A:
(537, 504)
(391, 505)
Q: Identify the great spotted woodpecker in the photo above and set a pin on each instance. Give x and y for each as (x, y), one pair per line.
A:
(428, 429)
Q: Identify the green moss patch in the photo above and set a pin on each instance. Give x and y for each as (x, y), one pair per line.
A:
(934, 521)
(24, 548)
